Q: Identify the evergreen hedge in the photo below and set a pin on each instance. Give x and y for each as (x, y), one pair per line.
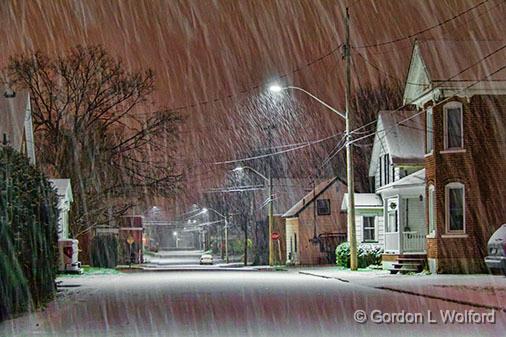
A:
(28, 237)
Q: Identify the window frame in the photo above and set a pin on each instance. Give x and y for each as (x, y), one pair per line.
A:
(431, 207)
(318, 207)
(429, 112)
(446, 107)
(448, 187)
(369, 228)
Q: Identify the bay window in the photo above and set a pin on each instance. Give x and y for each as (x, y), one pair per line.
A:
(454, 128)
(455, 208)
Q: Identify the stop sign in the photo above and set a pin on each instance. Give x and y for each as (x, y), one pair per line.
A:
(275, 236)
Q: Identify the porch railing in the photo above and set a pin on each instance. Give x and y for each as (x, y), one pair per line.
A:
(413, 242)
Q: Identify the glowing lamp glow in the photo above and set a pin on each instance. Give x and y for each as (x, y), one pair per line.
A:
(275, 88)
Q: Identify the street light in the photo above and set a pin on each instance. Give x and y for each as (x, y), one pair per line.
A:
(276, 88)
(225, 218)
(175, 238)
(269, 182)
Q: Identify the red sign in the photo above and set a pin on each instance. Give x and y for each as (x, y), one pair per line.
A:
(275, 236)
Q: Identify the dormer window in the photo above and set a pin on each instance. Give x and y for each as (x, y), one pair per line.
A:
(454, 128)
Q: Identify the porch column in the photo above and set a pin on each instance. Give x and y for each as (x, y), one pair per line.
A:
(400, 217)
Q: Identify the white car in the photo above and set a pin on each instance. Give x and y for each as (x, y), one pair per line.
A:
(206, 259)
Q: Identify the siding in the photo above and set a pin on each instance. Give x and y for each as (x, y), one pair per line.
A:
(379, 224)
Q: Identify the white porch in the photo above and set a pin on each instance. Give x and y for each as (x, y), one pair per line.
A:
(404, 214)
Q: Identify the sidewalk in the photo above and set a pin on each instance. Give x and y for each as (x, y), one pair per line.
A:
(480, 290)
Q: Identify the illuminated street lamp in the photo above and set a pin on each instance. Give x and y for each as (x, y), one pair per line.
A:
(271, 205)
(276, 88)
(225, 218)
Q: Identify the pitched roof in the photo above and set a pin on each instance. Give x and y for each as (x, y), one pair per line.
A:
(363, 200)
(414, 179)
(461, 60)
(401, 133)
(12, 118)
(404, 134)
(310, 197)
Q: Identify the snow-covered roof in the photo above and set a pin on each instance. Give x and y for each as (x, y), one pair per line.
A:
(363, 200)
(402, 135)
(414, 179)
(310, 197)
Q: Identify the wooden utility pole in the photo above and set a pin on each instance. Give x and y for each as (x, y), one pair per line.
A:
(349, 149)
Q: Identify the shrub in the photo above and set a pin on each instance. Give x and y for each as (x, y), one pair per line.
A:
(367, 255)
(28, 239)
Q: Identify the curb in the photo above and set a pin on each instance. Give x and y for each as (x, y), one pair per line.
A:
(324, 276)
(486, 306)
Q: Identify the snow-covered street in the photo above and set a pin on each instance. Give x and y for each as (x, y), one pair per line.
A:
(234, 304)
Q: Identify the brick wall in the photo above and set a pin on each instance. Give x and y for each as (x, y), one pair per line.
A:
(481, 169)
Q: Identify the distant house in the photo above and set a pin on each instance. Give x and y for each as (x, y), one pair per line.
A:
(368, 218)
(16, 129)
(459, 87)
(315, 225)
(65, 199)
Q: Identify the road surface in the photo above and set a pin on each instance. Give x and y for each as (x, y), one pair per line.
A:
(233, 304)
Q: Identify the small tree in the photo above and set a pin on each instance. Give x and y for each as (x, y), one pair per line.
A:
(95, 124)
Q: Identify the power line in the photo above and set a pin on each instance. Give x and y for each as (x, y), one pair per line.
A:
(424, 30)
(299, 68)
(305, 144)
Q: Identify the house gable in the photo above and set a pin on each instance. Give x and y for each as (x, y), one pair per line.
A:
(418, 80)
(380, 149)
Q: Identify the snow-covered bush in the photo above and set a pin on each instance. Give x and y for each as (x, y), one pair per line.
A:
(368, 254)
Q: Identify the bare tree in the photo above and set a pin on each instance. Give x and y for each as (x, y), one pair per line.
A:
(95, 123)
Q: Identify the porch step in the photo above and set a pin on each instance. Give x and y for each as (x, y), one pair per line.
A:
(406, 264)
(411, 260)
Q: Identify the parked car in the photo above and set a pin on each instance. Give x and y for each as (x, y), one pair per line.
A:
(496, 259)
(206, 259)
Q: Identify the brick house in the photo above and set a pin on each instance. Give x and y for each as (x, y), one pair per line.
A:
(315, 225)
(460, 89)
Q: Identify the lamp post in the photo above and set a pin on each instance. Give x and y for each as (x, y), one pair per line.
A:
(225, 218)
(271, 206)
(349, 162)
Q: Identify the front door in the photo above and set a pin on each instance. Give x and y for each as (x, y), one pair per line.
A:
(392, 225)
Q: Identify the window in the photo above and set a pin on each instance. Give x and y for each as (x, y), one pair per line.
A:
(455, 217)
(295, 240)
(431, 200)
(428, 131)
(323, 206)
(453, 126)
(385, 171)
(381, 179)
(369, 228)
(386, 162)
